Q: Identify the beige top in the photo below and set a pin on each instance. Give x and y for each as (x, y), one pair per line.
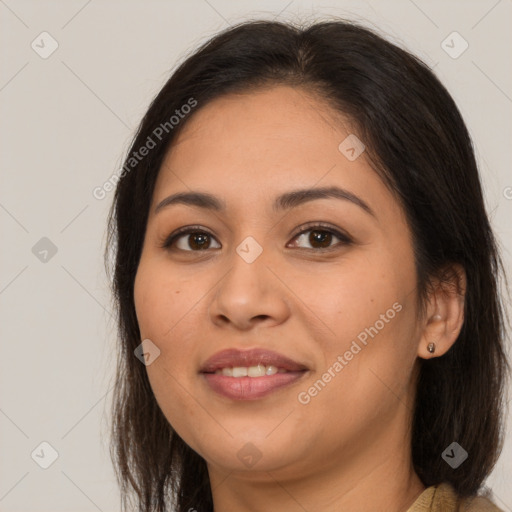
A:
(443, 498)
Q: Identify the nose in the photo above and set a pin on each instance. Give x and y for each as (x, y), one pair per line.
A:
(250, 294)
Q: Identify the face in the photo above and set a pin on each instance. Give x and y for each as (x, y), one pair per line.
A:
(327, 282)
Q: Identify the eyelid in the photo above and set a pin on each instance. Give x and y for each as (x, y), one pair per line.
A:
(323, 226)
(304, 228)
(185, 230)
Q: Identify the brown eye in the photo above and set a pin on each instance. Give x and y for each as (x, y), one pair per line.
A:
(195, 241)
(321, 238)
(198, 241)
(190, 240)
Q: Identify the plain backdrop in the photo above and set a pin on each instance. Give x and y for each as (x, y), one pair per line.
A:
(66, 121)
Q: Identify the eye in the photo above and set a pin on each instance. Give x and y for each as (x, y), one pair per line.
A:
(198, 239)
(320, 237)
(195, 238)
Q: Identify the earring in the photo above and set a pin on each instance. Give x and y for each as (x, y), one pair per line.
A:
(431, 347)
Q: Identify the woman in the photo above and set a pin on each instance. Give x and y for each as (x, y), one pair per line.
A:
(307, 284)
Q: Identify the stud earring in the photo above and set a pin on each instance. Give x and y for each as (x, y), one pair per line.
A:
(431, 347)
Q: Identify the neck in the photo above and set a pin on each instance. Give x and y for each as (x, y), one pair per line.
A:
(370, 478)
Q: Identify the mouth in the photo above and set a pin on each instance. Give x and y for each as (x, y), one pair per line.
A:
(251, 374)
(249, 371)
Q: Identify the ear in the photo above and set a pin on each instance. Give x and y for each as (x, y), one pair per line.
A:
(444, 312)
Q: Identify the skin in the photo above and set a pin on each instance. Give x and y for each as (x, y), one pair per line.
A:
(348, 448)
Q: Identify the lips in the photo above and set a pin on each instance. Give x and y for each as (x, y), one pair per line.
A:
(250, 387)
(231, 358)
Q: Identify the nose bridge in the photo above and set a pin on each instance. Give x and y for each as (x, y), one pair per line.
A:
(248, 272)
(249, 289)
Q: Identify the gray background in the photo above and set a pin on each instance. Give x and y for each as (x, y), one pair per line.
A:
(66, 122)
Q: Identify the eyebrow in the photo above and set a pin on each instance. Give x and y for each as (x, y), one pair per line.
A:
(285, 201)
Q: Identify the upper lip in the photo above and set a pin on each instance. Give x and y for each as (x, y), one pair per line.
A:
(232, 357)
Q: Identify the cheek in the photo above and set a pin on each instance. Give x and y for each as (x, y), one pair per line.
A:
(345, 299)
(364, 313)
(365, 379)
(162, 300)
(163, 306)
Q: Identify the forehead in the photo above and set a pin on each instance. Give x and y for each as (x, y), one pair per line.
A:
(257, 145)
(279, 112)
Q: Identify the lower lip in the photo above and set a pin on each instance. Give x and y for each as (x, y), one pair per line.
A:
(250, 388)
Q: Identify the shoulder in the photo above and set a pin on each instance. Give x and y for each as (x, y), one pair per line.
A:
(443, 498)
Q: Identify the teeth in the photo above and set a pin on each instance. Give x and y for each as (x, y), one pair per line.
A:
(271, 370)
(251, 371)
(256, 371)
(239, 371)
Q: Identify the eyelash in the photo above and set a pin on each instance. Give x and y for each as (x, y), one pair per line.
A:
(345, 240)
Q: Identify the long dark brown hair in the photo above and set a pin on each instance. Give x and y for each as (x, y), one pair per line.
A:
(419, 145)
